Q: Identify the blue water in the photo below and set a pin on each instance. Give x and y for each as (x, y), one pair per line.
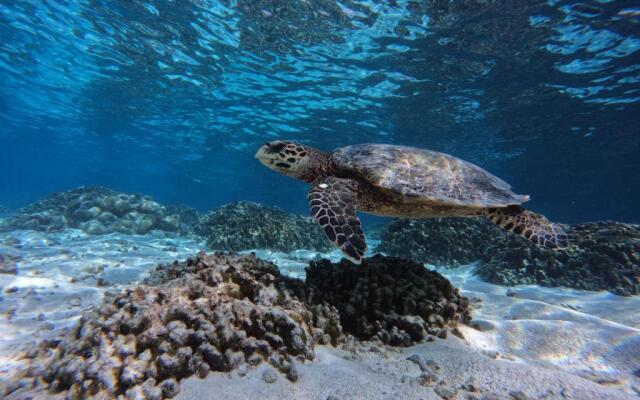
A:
(172, 98)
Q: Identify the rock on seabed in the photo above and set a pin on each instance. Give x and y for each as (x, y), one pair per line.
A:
(601, 256)
(247, 225)
(98, 210)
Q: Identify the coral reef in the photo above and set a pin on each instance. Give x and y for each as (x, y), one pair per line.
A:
(246, 225)
(98, 210)
(188, 216)
(376, 230)
(602, 256)
(396, 301)
(220, 312)
(439, 241)
(208, 313)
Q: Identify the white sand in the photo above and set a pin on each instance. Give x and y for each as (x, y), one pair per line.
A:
(539, 340)
(389, 375)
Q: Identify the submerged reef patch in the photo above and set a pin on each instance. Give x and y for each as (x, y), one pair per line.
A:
(98, 210)
(395, 301)
(247, 225)
(601, 255)
(218, 312)
(446, 241)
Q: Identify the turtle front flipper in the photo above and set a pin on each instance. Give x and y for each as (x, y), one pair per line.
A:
(532, 226)
(332, 202)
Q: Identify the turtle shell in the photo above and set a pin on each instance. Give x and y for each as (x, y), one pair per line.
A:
(419, 175)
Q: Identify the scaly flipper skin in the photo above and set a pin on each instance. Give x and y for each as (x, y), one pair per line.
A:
(532, 226)
(332, 202)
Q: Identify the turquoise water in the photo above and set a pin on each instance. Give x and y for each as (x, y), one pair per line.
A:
(173, 98)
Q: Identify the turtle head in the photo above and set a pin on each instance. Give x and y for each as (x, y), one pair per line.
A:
(292, 159)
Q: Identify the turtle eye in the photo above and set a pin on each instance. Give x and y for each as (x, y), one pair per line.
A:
(275, 148)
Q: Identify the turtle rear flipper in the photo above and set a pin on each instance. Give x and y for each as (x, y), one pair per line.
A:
(332, 202)
(532, 226)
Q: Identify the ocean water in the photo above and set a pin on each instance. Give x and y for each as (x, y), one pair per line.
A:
(149, 105)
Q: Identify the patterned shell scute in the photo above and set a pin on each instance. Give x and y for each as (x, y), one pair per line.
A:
(423, 175)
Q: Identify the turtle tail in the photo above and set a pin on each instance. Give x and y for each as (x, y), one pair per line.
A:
(533, 227)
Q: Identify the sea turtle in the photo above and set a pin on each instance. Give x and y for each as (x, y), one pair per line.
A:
(401, 181)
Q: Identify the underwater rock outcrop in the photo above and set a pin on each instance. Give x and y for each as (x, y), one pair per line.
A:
(395, 301)
(247, 225)
(98, 210)
(212, 312)
(218, 312)
(601, 256)
(439, 241)
(189, 217)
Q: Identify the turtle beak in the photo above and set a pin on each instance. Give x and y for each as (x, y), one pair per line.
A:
(264, 155)
(261, 151)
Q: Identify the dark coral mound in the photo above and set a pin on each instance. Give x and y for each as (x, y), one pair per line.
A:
(98, 210)
(396, 301)
(217, 312)
(602, 256)
(439, 241)
(246, 225)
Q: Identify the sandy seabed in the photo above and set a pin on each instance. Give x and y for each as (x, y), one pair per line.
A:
(526, 342)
